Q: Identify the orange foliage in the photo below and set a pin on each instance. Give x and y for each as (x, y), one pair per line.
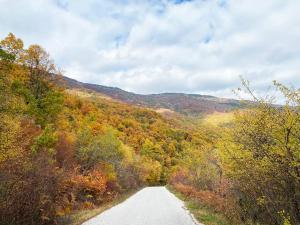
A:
(87, 108)
(209, 198)
(180, 176)
(65, 151)
(79, 191)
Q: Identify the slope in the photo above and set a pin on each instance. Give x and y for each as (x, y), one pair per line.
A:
(186, 104)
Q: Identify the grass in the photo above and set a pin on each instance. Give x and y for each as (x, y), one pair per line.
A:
(79, 217)
(218, 118)
(201, 212)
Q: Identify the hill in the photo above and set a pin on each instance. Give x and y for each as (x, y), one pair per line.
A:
(70, 150)
(186, 104)
(67, 150)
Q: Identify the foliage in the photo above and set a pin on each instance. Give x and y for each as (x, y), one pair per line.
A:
(260, 155)
(202, 205)
(150, 171)
(62, 151)
(65, 150)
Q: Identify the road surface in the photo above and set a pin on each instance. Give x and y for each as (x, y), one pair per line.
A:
(150, 206)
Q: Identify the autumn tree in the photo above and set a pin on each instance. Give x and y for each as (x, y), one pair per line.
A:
(260, 155)
(26, 164)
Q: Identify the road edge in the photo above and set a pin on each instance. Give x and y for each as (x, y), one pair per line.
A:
(79, 217)
(196, 222)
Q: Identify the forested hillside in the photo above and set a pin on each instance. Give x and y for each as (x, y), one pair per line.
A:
(62, 151)
(186, 104)
(67, 150)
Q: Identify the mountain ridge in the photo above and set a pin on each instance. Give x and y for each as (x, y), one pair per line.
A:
(183, 103)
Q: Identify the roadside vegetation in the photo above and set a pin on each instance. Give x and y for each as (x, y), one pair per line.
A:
(80, 216)
(65, 153)
(201, 210)
(249, 169)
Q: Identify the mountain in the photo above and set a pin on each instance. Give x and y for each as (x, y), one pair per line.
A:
(186, 104)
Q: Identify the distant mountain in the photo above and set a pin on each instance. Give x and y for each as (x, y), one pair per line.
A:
(186, 104)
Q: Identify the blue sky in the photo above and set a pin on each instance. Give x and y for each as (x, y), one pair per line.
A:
(153, 46)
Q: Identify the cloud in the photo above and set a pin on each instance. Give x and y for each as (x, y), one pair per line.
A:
(152, 46)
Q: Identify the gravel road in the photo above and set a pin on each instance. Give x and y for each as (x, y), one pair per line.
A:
(150, 206)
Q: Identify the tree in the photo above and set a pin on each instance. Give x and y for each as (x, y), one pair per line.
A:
(152, 150)
(260, 155)
(25, 194)
(92, 150)
(11, 47)
(150, 171)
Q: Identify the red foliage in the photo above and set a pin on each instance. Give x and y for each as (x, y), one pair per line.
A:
(208, 198)
(180, 176)
(65, 151)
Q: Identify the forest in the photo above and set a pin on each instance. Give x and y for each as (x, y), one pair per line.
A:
(66, 150)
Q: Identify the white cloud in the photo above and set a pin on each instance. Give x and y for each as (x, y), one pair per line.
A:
(150, 46)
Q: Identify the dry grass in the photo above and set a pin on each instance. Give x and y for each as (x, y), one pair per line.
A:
(82, 93)
(218, 119)
(164, 111)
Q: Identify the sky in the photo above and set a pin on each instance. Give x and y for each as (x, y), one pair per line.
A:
(155, 46)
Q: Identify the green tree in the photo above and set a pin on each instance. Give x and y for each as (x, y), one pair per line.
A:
(92, 150)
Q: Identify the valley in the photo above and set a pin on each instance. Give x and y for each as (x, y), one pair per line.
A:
(68, 148)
